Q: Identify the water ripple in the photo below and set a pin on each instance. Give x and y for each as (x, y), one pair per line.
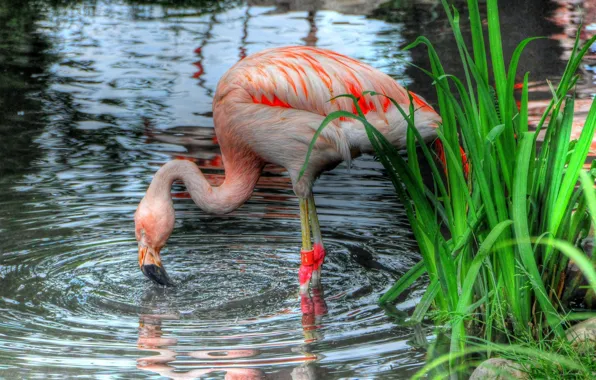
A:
(124, 88)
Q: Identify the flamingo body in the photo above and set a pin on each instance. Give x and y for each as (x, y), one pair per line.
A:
(266, 109)
(271, 104)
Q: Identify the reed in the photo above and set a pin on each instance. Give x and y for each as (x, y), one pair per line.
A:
(495, 243)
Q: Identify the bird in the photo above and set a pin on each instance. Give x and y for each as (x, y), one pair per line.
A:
(266, 109)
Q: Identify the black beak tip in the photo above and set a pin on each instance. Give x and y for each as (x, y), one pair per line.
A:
(157, 274)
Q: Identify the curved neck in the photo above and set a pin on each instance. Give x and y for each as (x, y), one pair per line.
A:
(231, 194)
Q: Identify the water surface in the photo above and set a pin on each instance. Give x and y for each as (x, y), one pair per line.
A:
(95, 96)
(105, 93)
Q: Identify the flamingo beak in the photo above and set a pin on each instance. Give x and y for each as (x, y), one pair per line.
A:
(151, 266)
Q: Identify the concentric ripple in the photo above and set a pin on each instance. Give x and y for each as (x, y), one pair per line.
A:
(235, 307)
(108, 94)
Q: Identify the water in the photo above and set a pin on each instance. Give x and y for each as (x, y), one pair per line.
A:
(95, 96)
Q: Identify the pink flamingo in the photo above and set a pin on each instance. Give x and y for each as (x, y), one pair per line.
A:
(266, 109)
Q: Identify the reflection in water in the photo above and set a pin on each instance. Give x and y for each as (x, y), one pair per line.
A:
(236, 362)
(151, 338)
(357, 7)
(314, 308)
(519, 20)
(95, 97)
(25, 56)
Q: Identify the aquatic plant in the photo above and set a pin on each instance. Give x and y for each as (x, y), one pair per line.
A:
(495, 242)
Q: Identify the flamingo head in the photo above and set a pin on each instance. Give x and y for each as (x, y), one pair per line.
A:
(154, 223)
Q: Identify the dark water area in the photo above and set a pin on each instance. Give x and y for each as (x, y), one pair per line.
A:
(519, 20)
(95, 96)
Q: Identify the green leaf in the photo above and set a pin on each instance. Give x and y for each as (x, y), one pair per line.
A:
(576, 162)
(522, 234)
(403, 283)
(331, 117)
(458, 331)
(426, 301)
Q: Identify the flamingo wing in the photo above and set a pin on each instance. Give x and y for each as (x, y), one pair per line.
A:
(306, 79)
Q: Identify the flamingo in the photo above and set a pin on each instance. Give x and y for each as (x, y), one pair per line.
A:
(266, 109)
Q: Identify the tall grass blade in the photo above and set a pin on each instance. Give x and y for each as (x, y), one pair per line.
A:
(522, 234)
(403, 283)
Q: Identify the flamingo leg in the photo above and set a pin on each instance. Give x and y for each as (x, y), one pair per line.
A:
(313, 306)
(311, 256)
(319, 251)
(304, 214)
(306, 254)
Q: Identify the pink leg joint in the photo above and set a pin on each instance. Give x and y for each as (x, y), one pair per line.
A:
(318, 255)
(310, 260)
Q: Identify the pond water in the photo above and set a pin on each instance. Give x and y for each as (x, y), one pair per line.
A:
(95, 96)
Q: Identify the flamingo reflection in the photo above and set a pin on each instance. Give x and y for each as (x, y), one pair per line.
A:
(236, 363)
(151, 338)
(313, 308)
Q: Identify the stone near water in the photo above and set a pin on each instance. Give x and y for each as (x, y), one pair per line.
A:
(583, 334)
(498, 369)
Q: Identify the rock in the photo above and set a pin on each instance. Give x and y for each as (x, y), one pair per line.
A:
(498, 369)
(583, 334)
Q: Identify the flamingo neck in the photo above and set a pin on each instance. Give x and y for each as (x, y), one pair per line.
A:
(231, 194)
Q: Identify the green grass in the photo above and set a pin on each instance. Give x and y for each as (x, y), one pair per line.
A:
(495, 244)
(539, 359)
